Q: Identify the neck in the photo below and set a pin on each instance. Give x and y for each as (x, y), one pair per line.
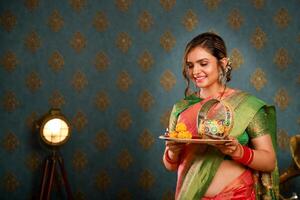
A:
(214, 91)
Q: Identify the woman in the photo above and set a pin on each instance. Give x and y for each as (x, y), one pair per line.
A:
(243, 168)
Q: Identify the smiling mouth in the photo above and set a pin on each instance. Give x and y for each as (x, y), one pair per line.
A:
(199, 79)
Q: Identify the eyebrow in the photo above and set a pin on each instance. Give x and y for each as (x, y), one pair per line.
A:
(198, 61)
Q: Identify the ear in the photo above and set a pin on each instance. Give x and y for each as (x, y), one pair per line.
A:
(224, 62)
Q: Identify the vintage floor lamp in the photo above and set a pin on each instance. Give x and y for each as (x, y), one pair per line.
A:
(294, 168)
(54, 130)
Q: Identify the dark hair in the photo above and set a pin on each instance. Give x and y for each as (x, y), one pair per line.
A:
(215, 45)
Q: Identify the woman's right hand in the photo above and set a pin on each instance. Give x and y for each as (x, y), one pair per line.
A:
(173, 149)
(172, 153)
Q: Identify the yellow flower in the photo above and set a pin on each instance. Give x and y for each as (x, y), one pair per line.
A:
(173, 134)
(180, 127)
(184, 135)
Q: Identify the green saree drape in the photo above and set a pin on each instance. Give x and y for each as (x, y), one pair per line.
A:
(197, 179)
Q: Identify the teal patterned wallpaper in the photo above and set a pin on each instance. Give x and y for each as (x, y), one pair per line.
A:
(114, 69)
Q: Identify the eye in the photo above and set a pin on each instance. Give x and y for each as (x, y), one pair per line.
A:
(203, 64)
(189, 65)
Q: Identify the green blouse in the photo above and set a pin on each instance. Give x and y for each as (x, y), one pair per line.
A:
(257, 127)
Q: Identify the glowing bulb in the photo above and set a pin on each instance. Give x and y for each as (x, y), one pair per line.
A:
(55, 130)
(54, 125)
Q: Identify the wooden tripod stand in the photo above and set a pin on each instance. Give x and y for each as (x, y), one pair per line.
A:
(50, 171)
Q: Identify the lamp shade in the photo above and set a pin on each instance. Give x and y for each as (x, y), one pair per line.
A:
(55, 129)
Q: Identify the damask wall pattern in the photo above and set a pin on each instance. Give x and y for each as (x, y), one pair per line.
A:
(114, 69)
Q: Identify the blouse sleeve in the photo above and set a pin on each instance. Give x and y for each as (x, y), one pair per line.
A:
(258, 126)
(172, 120)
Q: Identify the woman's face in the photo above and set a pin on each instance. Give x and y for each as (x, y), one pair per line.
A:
(202, 68)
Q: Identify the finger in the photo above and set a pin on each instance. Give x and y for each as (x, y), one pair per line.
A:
(234, 142)
(226, 149)
(175, 147)
(170, 142)
(230, 151)
(229, 137)
(174, 151)
(228, 143)
(175, 144)
(220, 145)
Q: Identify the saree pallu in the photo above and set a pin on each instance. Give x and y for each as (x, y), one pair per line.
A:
(195, 172)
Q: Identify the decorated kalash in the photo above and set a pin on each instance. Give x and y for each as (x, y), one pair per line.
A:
(207, 128)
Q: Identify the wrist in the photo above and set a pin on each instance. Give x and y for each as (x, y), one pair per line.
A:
(171, 157)
(238, 153)
(247, 156)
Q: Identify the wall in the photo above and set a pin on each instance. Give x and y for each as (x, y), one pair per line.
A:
(114, 69)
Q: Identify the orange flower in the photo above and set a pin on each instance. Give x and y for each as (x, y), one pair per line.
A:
(180, 127)
(184, 135)
(173, 134)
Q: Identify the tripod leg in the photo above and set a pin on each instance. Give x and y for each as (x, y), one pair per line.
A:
(45, 176)
(64, 176)
(53, 163)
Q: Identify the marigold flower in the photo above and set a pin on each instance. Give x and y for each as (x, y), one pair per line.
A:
(173, 134)
(180, 127)
(184, 135)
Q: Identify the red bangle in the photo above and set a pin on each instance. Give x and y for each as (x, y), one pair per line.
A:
(247, 157)
(168, 159)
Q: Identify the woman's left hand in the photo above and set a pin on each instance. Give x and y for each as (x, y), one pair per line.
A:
(231, 148)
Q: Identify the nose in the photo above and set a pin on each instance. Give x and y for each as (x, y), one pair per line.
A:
(196, 69)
